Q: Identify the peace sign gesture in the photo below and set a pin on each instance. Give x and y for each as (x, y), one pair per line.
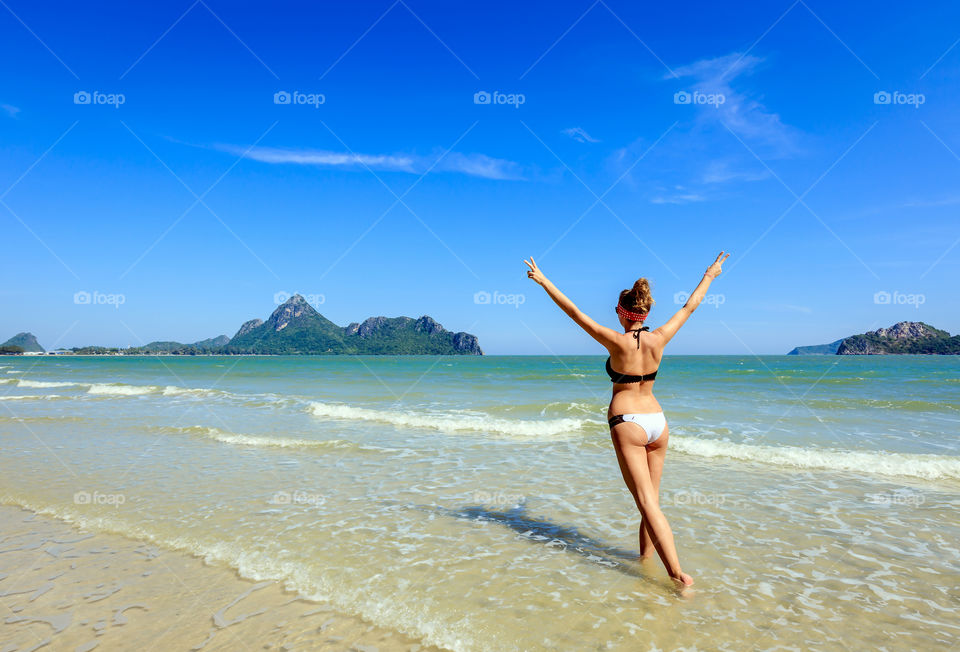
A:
(535, 274)
(714, 270)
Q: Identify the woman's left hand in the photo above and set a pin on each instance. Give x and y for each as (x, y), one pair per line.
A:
(535, 274)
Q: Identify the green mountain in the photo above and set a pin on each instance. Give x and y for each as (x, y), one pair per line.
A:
(905, 337)
(296, 328)
(212, 345)
(817, 349)
(26, 341)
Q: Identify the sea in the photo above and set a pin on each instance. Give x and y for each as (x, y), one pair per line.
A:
(475, 503)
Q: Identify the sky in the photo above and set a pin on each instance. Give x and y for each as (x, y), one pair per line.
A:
(171, 170)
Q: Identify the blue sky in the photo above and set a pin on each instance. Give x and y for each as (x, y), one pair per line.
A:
(199, 199)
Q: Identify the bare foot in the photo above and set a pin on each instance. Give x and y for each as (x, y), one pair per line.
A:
(683, 580)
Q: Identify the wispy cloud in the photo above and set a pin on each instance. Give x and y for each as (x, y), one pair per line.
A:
(476, 165)
(748, 117)
(580, 134)
(678, 199)
(931, 203)
(321, 157)
(722, 171)
(10, 110)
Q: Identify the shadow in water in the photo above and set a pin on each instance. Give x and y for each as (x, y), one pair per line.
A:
(552, 535)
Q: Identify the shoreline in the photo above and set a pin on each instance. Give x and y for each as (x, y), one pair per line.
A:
(67, 587)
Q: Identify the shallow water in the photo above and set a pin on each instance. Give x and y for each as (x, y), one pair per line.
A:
(476, 503)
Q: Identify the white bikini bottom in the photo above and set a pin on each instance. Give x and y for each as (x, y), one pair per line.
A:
(653, 423)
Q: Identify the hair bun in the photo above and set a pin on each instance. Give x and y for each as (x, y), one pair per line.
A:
(638, 298)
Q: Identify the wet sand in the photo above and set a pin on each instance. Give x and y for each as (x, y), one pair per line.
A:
(65, 589)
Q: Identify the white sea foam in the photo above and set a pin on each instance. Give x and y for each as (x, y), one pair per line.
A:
(930, 467)
(118, 389)
(42, 384)
(173, 390)
(269, 442)
(258, 565)
(41, 397)
(449, 422)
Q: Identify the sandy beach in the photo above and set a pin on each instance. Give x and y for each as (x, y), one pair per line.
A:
(62, 588)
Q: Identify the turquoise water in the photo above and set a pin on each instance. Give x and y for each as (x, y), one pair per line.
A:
(459, 499)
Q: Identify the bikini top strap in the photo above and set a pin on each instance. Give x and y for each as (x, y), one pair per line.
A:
(636, 333)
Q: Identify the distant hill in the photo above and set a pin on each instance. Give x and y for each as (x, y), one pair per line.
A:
(26, 341)
(212, 345)
(905, 337)
(295, 327)
(817, 349)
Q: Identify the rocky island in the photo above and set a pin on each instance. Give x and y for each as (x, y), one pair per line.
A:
(905, 337)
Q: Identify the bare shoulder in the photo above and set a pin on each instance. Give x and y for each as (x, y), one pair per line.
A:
(654, 339)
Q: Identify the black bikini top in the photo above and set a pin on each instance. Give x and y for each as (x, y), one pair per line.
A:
(617, 377)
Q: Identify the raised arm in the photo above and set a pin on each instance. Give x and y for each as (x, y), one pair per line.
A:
(602, 334)
(668, 330)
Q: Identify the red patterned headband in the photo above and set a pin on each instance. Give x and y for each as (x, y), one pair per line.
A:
(630, 316)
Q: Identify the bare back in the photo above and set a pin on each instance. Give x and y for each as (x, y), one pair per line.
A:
(627, 358)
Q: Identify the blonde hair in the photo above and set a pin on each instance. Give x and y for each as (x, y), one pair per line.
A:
(638, 298)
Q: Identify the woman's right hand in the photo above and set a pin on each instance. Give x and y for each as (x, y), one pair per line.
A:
(715, 269)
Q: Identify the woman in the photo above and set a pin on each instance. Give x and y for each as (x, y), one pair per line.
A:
(637, 425)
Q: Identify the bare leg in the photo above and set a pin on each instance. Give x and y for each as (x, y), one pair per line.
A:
(655, 457)
(630, 441)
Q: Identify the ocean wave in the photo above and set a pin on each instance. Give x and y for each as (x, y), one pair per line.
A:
(39, 397)
(173, 390)
(120, 389)
(928, 467)
(238, 439)
(42, 384)
(449, 422)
